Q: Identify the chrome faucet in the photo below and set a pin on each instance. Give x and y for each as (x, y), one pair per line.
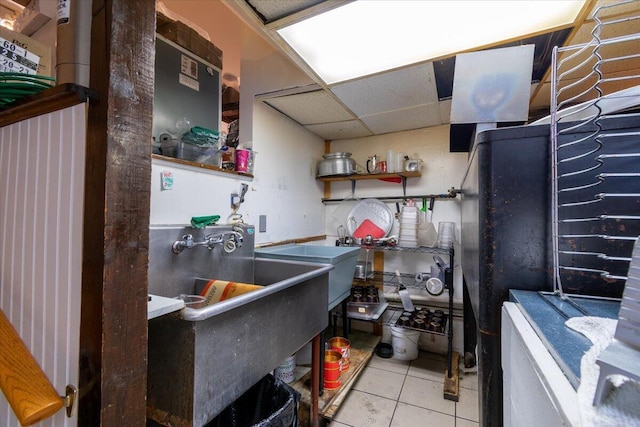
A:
(230, 240)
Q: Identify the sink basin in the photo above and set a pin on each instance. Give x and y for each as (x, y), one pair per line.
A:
(202, 359)
(344, 260)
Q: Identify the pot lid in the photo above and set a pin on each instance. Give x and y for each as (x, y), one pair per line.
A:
(337, 155)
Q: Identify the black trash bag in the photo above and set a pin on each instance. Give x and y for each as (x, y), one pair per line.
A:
(269, 403)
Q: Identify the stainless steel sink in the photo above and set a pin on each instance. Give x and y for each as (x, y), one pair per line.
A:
(201, 360)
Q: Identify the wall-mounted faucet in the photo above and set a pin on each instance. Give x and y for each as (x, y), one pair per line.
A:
(230, 240)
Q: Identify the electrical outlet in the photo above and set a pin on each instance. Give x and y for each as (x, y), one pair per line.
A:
(262, 224)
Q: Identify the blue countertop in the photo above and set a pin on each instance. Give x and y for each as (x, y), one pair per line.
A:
(547, 314)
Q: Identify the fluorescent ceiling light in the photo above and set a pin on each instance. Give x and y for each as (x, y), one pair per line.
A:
(370, 36)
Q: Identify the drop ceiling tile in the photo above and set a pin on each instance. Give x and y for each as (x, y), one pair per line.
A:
(390, 91)
(410, 118)
(310, 108)
(339, 130)
(445, 111)
(271, 10)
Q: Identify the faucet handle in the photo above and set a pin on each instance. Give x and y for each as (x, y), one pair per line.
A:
(180, 245)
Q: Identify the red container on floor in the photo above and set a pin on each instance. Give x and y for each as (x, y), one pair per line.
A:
(332, 374)
(343, 346)
(332, 359)
(331, 385)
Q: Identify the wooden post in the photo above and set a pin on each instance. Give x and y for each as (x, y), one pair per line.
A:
(113, 330)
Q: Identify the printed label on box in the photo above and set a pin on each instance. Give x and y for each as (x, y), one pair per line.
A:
(14, 59)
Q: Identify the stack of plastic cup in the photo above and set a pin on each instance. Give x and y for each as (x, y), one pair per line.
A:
(446, 234)
(409, 227)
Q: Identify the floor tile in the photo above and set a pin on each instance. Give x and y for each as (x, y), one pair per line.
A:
(431, 355)
(469, 381)
(466, 423)
(393, 365)
(413, 416)
(365, 410)
(426, 394)
(337, 424)
(467, 406)
(380, 382)
(428, 368)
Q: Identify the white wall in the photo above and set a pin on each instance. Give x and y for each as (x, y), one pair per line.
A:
(284, 188)
(441, 171)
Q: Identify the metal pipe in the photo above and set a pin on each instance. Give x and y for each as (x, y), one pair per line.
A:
(452, 194)
(73, 45)
(315, 381)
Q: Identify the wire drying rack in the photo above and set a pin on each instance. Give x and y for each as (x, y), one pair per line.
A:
(595, 155)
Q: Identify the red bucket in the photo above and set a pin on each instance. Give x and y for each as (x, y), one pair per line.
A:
(332, 369)
(332, 359)
(331, 385)
(343, 346)
(332, 374)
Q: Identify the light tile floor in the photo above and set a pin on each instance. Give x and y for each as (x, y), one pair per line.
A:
(395, 393)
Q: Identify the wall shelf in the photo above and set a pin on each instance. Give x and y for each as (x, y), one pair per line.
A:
(47, 101)
(202, 167)
(381, 176)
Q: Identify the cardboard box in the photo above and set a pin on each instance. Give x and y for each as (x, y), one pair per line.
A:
(189, 39)
(35, 47)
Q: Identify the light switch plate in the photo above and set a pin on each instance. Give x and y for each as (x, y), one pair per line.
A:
(262, 224)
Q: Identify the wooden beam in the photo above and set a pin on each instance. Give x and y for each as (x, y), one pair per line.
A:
(113, 329)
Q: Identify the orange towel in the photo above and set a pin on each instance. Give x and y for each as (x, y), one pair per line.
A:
(220, 290)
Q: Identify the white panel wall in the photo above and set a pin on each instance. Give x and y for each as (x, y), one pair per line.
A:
(41, 202)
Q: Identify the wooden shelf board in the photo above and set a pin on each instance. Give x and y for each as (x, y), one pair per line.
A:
(47, 101)
(330, 401)
(360, 177)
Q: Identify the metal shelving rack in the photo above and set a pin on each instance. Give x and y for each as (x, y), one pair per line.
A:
(448, 284)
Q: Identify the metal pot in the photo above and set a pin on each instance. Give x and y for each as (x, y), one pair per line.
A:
(337, 164)
(363, 270)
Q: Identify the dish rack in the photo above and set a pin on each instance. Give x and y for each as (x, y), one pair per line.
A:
(595, 152)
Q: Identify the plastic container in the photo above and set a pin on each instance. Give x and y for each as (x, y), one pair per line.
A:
(286, 370)
(242, 160)
(409, 227)
(198, 153)
(405, 343)
(446, 234)
(343, 259)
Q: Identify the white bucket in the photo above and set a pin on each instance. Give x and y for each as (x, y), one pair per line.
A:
(405, 343)
(286, 370)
